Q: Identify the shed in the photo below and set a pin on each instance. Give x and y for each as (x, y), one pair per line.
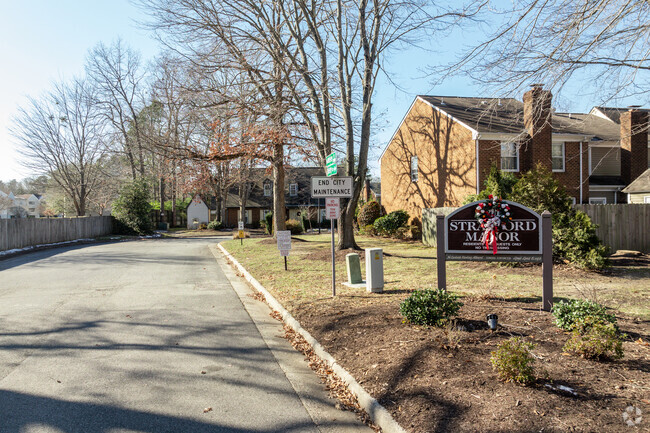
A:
(197, 213)
(639, 190)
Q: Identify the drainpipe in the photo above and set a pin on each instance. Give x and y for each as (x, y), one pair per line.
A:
(478, 187)
(581, 172)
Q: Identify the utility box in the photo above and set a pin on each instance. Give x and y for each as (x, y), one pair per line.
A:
(354, 268)
(374, 270)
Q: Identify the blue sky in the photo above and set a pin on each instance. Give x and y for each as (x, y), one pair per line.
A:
(44, 41)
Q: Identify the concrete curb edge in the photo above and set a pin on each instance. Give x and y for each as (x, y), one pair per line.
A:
(376, 411)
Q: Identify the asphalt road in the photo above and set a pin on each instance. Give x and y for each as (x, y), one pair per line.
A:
(144, 336)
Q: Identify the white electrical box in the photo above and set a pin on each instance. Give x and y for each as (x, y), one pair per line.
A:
(374, 270)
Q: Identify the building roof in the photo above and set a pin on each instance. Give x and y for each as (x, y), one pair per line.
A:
(293, 175)
(506, 116)
(613, 113)
(640, 184)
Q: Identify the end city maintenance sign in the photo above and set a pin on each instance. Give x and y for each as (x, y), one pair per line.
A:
(335, 186)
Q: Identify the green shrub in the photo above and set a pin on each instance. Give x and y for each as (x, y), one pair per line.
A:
(215, 225)
(574, 235)
(368, 230)
(498, 183)
(132, 208)
(268, 223)
(294, 226)
(595, 338)
(369, 213)
(432, 307)
(388, 225)
(513, 361)
(569, 314)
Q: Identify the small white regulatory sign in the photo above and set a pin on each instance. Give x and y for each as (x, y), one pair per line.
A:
(284, 240)
(335, 186)
(332, 208)
(241, 225)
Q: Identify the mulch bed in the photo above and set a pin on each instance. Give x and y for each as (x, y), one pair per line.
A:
(441, 380)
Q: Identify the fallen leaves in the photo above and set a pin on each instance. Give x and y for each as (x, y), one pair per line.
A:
(207, 409)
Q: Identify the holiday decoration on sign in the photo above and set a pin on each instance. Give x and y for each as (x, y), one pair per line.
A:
(492, 214)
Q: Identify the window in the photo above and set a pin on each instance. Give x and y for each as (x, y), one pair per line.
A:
(597, 200)
(414, 169)
(509, 157)
(267, 189)
(293, 189)
(646, 199)
(248, 216)
(557, 156)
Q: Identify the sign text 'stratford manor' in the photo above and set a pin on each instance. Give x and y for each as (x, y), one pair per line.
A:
(522, 235)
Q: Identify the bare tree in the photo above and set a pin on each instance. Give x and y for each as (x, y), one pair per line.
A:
(119, 78)
(603, 44)
(62, 135)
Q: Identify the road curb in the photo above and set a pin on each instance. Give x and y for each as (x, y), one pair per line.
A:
(376, 411)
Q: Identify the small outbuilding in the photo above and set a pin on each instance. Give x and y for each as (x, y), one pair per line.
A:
(197, 213)
(639, 190)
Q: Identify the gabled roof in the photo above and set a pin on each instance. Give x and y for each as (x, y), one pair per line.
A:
(506, 116)
(613, 113)
(484, 115)
(640, 184)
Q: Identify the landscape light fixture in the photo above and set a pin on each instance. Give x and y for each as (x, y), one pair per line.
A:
(492, 321)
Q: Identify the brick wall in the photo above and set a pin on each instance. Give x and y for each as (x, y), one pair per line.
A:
(446, 163)
(634, 142)
(570, 177)
(537, 121)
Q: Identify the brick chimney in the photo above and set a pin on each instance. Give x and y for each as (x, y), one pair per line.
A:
(634, 144)
(537, 121)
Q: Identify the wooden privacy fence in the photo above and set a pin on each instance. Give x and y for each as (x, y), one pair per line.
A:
(621, 226)
(27, 232)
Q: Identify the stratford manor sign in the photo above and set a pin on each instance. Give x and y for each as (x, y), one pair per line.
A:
(497, 231)
(518, 239)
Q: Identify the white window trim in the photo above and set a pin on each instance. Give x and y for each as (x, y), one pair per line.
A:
(596, 200)
(517, 150)
(414, 176)
(268, 190)
(646, 199)
(293, 189)
(558, 170)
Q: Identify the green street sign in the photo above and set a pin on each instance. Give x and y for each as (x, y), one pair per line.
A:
(330, 164)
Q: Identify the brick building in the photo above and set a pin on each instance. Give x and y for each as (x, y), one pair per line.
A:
(444, 147)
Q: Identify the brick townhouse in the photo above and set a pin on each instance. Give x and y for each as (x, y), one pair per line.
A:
(444, 147)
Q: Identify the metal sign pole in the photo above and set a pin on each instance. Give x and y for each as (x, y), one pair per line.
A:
(333, 261)
(285, 263)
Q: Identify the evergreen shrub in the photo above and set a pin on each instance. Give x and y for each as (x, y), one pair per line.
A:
(431, 307)
(513, 361)
(569, 314)
(132, 208)
(294, 226)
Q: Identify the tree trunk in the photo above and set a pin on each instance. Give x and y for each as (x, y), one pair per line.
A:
(173, 198)
(163, 214)
(279, 210)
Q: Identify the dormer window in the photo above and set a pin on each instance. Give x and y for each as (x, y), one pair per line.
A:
(267, 189)
(293, 189)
